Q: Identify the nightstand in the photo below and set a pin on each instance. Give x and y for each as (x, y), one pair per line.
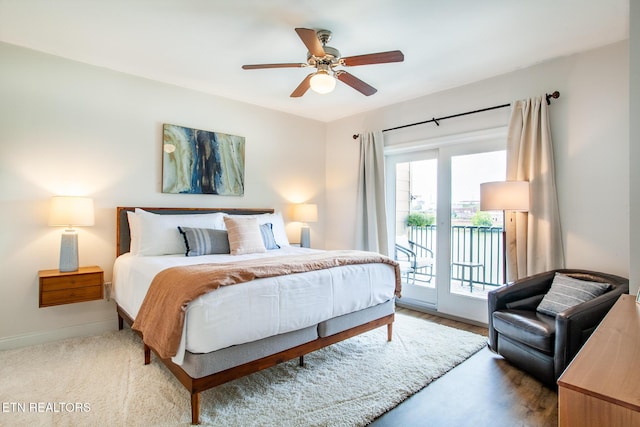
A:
(56, 287)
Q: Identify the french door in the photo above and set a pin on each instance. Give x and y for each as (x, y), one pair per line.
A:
(432, 205)
(412, 198)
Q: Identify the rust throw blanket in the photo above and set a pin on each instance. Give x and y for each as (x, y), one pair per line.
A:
(161, 316)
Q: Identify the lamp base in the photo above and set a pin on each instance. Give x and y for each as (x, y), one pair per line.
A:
(69, 251)
(305, 239)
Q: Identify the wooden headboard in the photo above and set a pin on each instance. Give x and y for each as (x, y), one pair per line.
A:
(123, 234)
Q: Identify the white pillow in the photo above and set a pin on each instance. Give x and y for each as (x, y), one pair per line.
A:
(134, 233)
(159, 234)
(244, 234)
(275, 219)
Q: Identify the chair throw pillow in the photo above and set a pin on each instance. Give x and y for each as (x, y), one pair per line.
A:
(204, 241)
(567, 292)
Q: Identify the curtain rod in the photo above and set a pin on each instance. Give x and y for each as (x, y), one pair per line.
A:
(554, 95)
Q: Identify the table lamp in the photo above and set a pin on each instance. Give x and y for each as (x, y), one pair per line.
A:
(504, 196)
(70, 211)
(305, 213)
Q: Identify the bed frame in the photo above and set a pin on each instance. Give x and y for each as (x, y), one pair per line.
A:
(205, 373)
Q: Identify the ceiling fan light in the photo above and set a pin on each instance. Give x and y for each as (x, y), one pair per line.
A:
(321, 82)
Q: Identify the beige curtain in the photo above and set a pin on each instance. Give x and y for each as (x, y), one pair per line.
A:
(534, 239)
(371, 220)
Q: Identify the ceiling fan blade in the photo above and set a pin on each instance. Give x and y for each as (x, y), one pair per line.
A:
(288, 65)
(311, 41)
(355, 83)
(373, 58)
(302, 87)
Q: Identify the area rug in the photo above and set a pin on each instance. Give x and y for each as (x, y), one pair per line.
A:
(101, 380)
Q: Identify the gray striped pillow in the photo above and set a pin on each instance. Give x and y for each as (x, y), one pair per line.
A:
(204, 241)
(567, 292)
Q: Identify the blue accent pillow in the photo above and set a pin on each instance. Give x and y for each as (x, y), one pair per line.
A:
(205, 241)
(267, 236)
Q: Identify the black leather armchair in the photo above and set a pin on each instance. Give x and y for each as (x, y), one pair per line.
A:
(540, 344)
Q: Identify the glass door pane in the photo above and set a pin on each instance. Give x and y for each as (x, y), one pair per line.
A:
(415, 213)
(412, 199)
(476, 236)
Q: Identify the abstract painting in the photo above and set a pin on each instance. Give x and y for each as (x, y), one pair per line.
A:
(202, 162)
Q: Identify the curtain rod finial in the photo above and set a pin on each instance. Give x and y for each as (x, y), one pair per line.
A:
(554, 95)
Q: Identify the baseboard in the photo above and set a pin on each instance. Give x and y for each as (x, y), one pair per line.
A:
(418, 305)
(87, 329)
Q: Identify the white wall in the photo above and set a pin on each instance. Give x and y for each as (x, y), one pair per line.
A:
(634, 145)
(70, 128)
(590, 130)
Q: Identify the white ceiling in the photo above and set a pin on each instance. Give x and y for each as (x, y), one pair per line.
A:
(201, 44)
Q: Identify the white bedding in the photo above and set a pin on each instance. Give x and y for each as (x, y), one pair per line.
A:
(250, 311)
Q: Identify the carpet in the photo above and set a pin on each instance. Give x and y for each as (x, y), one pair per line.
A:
(101, 380)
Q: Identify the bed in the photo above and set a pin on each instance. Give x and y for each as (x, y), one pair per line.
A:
(234, 330)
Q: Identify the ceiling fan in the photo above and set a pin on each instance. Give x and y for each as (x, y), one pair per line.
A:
(325, 59)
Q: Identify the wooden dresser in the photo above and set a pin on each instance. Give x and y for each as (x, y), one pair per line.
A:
(601, 386)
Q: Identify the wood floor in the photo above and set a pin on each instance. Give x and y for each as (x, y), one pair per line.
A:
(482, 391)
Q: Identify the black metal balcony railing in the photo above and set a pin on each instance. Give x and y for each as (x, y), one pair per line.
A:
(476, 252)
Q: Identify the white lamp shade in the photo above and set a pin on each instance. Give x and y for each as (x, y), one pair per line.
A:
(504, 196)
(305, 212)
(322, 82)
(70, 211)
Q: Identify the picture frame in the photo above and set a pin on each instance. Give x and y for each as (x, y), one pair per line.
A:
(196, 161)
